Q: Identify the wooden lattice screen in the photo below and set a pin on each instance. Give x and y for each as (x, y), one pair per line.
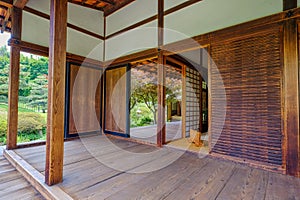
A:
(251, 71)
(193, 84)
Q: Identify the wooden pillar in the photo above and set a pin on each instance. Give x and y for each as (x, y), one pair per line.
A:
(161, 79)
(291, 96)
(183, 101)
(289, 4)
(14, 73)
(56, 92)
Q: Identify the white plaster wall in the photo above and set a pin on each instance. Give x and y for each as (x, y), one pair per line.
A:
(172, 3)
(211, 15)
(298, 3)
(40, 5)
(130, 14)
(86, 18)
(35, 29)
(141, 38)
(84, 45)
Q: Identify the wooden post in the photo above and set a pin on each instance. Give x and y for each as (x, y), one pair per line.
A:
(289, 4)
(291, 96)
(161, 76)
(183, 101)
(56, 92)
(14, 73)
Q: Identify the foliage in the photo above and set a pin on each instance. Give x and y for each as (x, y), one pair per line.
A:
(140, 115)
(3, 125)
(144, 89)
(33, 77)
(31, 123)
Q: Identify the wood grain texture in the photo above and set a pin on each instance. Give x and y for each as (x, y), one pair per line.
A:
(291, 95)
(56, 95)
(13, 185)
(186, 178)
(252, 76)
(115, 114)
(20, 3)
(85, 101)
(14, 73)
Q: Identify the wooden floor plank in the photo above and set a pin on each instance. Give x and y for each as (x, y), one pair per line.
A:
(90, 172)
(245, 183)
(281, 187)
(13, 185)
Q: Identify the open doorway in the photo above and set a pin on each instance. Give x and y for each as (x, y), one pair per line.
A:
(193, 102)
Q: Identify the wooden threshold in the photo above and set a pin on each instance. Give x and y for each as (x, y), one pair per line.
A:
(35, 178)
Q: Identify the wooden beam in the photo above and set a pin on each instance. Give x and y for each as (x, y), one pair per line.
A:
(7, 3)
(56, 92)
(291, 96)
(14, 73)
(289, 4)
(161, 79)
(5, 20)
(20, 3)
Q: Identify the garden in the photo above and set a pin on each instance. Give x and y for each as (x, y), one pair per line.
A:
(33, 92)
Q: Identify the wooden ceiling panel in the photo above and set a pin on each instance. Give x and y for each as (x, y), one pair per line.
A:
(107, 6)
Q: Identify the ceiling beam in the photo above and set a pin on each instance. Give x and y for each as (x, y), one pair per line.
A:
(289, 4)
(5, 20)
(20, 3)
(85, 5)
(7, 3)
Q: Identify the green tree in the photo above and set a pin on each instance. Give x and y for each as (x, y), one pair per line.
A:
(38, 96)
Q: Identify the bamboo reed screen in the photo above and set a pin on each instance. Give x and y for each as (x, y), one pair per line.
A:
(251, 71)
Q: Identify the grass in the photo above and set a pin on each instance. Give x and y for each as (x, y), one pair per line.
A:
(4, 107)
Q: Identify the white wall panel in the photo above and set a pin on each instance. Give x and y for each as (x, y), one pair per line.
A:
(172, 3)
(130, 14)
(211, 15)
(40, 5)
(35, 29)
(84, 45)
(86, 18)
(135, 40)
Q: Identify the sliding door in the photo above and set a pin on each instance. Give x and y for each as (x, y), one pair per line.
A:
(116, 101)
(84, 100)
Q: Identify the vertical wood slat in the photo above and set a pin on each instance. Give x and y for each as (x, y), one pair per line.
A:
(161, 79)
(14, 72)
(291, 97)
(56, 92)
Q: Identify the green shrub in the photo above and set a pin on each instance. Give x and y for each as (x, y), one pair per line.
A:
(31, 123)
(3, 125)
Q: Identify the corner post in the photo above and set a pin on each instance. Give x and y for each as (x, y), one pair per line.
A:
(291, 96)
(161, 76)
(56, 92)
(14, 73)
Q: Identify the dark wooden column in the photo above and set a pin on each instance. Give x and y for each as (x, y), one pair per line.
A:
(56, 93)
(161, 76)
(14, 72)
(291, 96)
(289, 4)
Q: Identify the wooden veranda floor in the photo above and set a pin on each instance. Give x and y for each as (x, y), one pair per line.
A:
(95, 168)
(13, 185)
